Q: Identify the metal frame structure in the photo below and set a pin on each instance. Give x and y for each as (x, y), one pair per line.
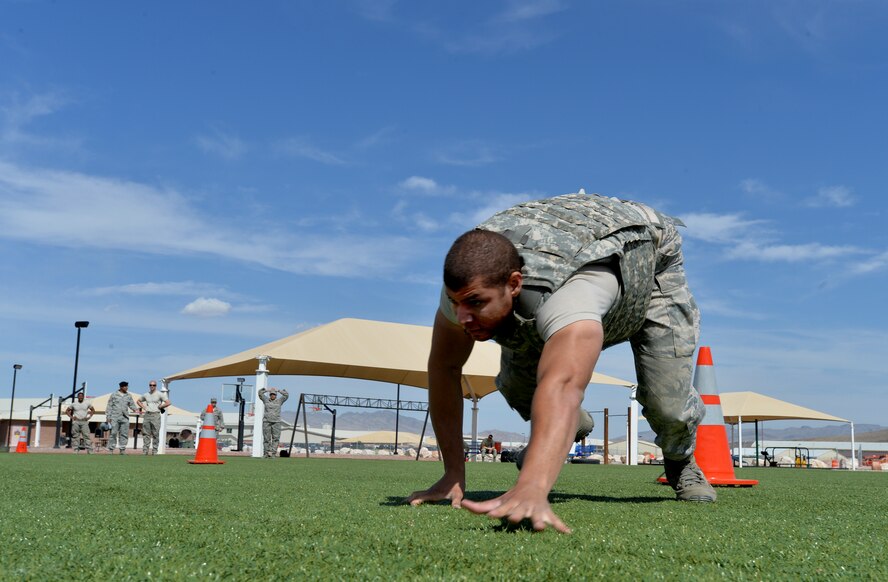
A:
(353, 402)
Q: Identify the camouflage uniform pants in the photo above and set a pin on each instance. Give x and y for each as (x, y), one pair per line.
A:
(80, 438)
(150, 431)
(663, 350)
(119, 433)
(271, 437)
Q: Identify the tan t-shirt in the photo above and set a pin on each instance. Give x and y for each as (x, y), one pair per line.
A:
(80, 410)
(152, 401)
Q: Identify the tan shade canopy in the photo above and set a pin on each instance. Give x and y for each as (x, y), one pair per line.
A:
(368, 350)
(752, 406)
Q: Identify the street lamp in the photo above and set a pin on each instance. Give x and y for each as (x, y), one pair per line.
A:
(15, 369)
(79, 325)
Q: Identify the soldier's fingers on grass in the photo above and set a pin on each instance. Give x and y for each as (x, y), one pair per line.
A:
(541, 521)
(482, 507)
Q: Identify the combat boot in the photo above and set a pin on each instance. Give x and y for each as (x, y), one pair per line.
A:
(688, 481)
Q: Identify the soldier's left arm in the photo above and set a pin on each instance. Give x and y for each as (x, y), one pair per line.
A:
(565, 368)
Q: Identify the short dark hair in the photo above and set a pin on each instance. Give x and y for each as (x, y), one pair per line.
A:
(481, 253)
(124, 383)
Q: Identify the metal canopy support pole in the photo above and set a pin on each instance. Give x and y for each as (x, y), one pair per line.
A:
(397, 417)
(852, 448)
(633, 423)
(422, 436)
(606, 447)
(333, 430)
(474, 412)
(304, 424)
(758, 454)
(259, 406)
(295, 423)
(30, 416)
(165, 392)
(740, 438)
(629, 450)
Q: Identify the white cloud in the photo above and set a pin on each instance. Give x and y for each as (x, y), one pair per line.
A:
(187, 288)
(419, 183)
(17, 113)
(758, 189)
(749, 240)
(832, 196)
(301, 147)
(469, 154)
(872, 265)
(381, 137)
(718, 228)
(222, 144)
(207, 307)
(426, 186)
(530, 9)
(790, 253)
(77, 210)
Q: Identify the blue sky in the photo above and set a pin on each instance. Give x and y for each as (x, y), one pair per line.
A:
(196, 179)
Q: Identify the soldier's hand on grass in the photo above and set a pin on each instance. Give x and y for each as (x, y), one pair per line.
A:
(445, 489)
(518, 504)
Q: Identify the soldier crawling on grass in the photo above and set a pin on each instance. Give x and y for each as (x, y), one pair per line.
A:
(554, 282)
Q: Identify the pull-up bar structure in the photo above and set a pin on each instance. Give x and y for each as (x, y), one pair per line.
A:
(332, 402)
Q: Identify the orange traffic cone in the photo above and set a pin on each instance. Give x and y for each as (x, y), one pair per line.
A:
(712, 453)
(22, 446)
(206, 446)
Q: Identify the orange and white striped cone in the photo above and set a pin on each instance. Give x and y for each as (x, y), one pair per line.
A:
(712, 453)
(22, 446)
(206, 446)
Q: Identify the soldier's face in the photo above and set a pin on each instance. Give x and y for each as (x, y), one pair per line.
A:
(481, 309)
(80, 397)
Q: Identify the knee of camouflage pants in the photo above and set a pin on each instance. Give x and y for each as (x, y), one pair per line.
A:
(670, 404)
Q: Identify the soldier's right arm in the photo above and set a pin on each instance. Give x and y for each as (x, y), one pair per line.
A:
(451, 348)
(70, 411)
(262, 395)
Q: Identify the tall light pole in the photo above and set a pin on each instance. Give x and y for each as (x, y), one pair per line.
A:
(79, 325)
(15, 369)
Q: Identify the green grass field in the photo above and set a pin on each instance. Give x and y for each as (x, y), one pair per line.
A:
(103, 517)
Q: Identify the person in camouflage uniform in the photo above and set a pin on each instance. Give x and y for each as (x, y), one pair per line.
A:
(218, 419)
(119, 406)
(80, 411)
(271, 420)
(152, 405)
(554, 282)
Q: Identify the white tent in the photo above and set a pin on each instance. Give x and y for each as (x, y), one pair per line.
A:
(740, 407)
